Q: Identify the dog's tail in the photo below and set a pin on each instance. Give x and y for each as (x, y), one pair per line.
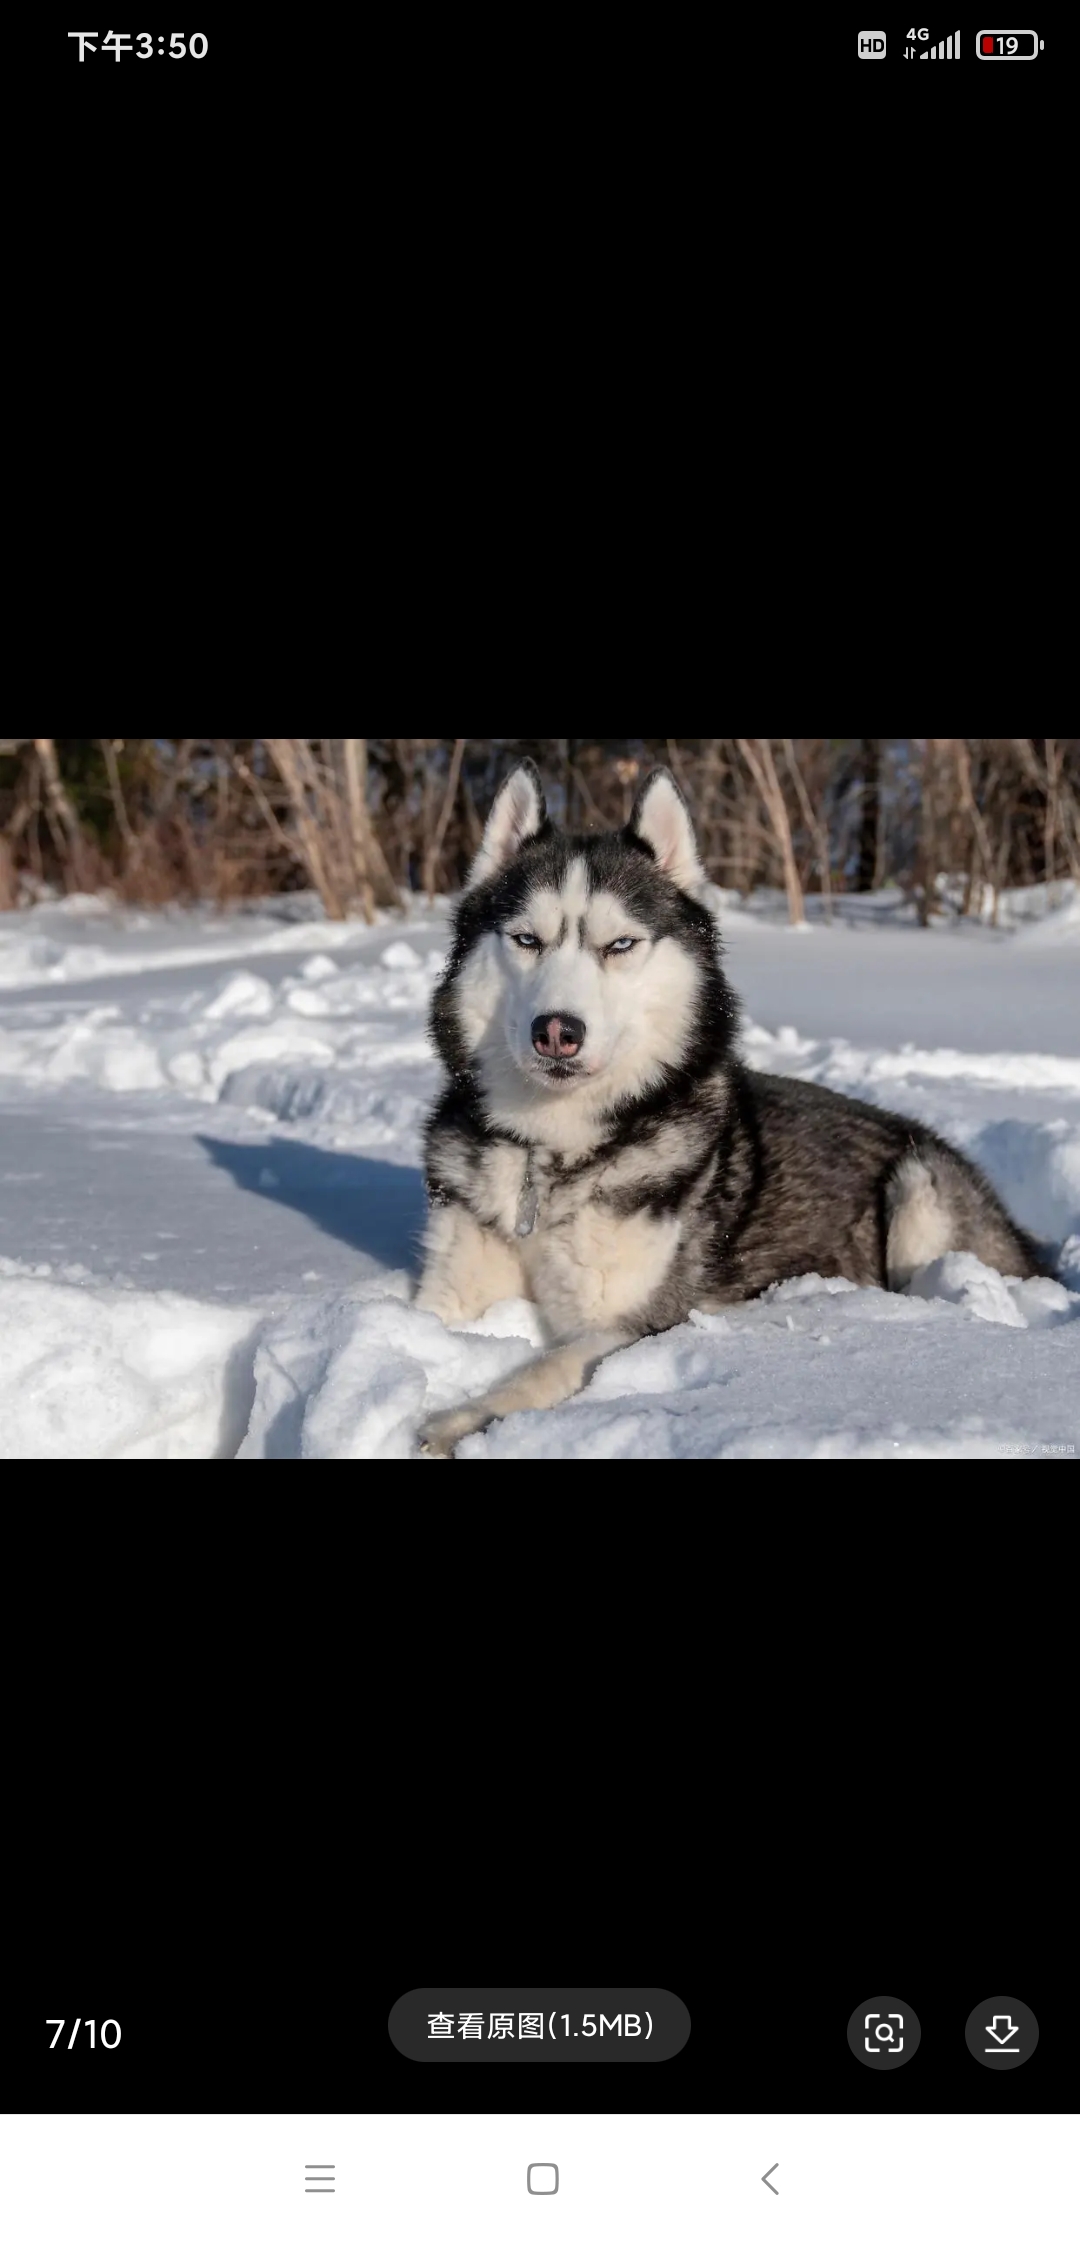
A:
(936, 1201)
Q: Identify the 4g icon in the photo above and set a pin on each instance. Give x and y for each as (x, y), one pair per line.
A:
(911, 51)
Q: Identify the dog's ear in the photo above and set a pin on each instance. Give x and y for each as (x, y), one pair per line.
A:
(660, 818)
(517, 813)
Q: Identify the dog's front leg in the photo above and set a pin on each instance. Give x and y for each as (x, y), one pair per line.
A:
(466, 1267)
(597, 1281)
(550, 1378)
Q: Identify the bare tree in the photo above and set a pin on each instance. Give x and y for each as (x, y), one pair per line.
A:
(816, 823)
(952, 821)
(331, 830)
(870, 775)
(67, 832)
(129, 839)
(434, 851)
(983, 853)
(314, 843)
(374, 878)
(758, 756)
(9, 879)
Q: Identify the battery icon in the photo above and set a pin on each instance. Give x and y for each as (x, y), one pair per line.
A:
(1008, 46)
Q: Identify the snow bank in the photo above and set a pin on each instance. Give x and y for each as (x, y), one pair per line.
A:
(1045, 916)
(820, 1368)
(104, 1372)
(348, 1048)
(1046, 912)
(968, 1365)
(82, 938)
(355, 1376)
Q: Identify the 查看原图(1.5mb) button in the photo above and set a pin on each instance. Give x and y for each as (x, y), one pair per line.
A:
(1002, 2033)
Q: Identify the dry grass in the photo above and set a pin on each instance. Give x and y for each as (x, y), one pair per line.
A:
(360, 821)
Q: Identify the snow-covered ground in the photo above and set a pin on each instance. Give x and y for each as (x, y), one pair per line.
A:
(210, 1195)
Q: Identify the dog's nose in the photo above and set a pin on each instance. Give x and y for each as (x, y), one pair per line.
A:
(558, 1036)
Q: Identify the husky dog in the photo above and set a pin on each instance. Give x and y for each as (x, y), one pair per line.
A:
(599, 1146)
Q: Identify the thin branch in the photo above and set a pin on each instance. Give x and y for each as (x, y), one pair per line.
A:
(758, 757)
(60, 811)
(281, 833)
(439, 836)
(818, 826)
(108, 750)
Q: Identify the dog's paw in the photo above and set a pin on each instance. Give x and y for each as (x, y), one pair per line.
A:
(440, 1435)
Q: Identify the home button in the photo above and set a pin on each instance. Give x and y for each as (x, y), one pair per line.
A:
(542, 2181)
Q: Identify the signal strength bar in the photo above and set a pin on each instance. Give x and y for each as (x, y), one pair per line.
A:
(947, 50)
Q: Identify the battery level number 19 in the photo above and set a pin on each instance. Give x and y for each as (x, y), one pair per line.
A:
(1008, 46)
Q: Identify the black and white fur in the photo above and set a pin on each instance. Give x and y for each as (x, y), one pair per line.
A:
(625, 1175)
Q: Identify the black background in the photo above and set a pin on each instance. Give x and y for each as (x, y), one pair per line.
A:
(777, 1772)
(765, 2037)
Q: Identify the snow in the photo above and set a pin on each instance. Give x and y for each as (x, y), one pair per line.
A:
(103, 1373)
(820, 1368)
(211, 1199)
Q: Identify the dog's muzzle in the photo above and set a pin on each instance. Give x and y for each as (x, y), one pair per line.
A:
(558, 1036)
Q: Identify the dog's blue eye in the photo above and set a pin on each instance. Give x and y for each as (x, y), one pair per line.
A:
(528, 942)
(623, 943)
